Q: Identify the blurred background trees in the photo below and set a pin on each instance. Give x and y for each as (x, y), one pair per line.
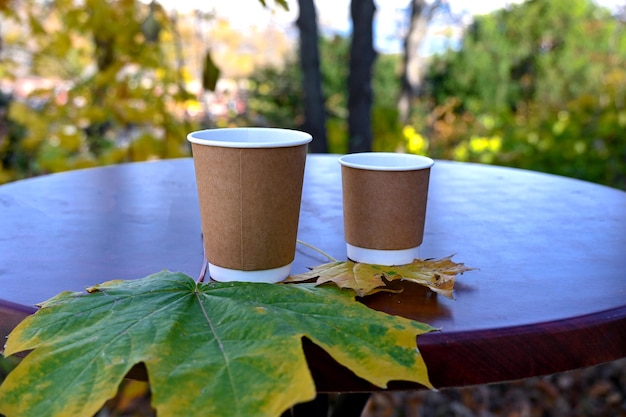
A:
(106, 86)
(538, 85)
(541, 85)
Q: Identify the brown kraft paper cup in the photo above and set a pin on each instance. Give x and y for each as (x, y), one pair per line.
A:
(384, 209)
(249, 204)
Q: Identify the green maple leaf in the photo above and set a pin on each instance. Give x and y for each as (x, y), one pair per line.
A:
(210, 349)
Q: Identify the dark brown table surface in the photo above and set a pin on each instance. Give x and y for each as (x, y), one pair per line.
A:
(549, 295)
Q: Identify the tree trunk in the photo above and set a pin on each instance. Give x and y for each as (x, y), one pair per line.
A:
(314, 111)
(362, 57)
(413, 64)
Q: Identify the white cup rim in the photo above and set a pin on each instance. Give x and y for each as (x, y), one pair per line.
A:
(386, 161)
(249, 137)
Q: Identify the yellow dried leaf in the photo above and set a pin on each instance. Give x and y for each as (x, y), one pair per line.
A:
(348, 274)
(437, 274)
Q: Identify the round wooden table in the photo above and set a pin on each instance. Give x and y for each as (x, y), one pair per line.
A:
(549, 293)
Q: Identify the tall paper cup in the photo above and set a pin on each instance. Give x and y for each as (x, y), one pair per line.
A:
(249, 187)
(384, 206)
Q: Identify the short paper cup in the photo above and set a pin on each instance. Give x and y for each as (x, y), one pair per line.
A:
(249, 188)
(384, 206)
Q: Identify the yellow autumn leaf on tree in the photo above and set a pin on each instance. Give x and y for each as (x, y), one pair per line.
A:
(437, 274)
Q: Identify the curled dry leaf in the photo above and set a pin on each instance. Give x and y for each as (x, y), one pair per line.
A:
(437, 274)
(361, 278)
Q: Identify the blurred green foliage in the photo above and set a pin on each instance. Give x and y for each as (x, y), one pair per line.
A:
(541, 85)
(115, 96)
(275, 97)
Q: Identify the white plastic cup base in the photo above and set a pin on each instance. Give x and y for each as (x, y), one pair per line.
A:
(381, 256)
(221, 274)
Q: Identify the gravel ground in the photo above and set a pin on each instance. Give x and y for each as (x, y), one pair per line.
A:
(598, 391)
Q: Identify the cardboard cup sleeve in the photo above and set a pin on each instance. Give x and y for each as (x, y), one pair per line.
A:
(384, 209)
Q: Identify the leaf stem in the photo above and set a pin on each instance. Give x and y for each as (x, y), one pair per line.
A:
(308, 245)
